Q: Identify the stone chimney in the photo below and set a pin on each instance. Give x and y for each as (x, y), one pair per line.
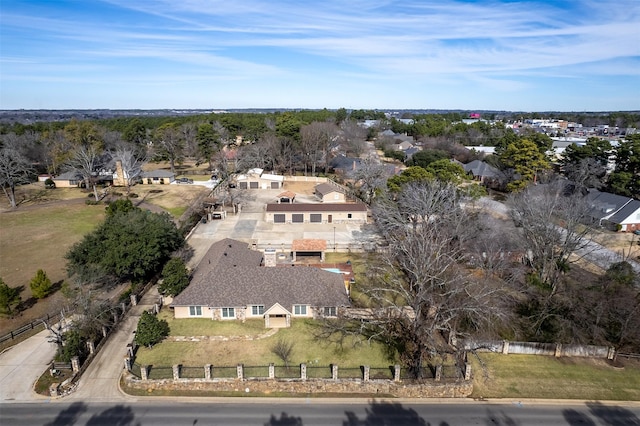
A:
(270, 257)
(119, 178)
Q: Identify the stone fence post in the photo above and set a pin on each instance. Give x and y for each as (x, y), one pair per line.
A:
(75, 364)
(91, 346)
(144, 372)
(396, 373)
(127, 363)
(334, 371)
(558, 352)
(240, 371)
(505, 347)
(123, 307)
(176, 371)
(272, 371)
(611, 354)
(365, 373)
(104, 331)
(134, 300)
(207, 371)
(438, 373)
(303, 371)
(467, 371)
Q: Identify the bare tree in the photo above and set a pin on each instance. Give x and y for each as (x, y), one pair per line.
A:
(14, 170)
(353, 137)
(131, 162)
(552, 227)
(422, 295)
(168, 143)
(88, 161)
(317, 139)
(255, 155)
(369, 178)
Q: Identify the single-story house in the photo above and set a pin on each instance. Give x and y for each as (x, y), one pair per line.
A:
(74, 179)
(155, 177)
(330, 192)
(481, 171)
(286, 197)
(316, 213)
(257, 179)
(231, 283)
(342, 164)
(618, 211)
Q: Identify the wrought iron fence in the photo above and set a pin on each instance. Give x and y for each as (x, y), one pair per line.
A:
(288, 372)
(320, 372)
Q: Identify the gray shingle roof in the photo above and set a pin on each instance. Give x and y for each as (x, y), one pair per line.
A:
(625, 212)
(604, 204)
(235, 280)
(326, 188)
(480, 168)
(157, 174)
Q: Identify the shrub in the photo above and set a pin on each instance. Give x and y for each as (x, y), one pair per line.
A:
(49, 184)
(40, 285)
(151, 330)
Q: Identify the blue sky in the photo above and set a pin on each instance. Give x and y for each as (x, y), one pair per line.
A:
(572, 55)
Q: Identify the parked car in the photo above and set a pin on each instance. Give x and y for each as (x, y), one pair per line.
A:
(184, 180)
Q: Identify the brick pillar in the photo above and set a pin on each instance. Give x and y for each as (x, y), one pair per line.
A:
(558, 352)
(115, 317)
(104, 331)
(611, 354)
(240, 371)
(75, 364)
(505, 347)
(303, 371)
(396, 373)
(176, 371)
(467, 371)
(130, 349)
(127, 363)
(438, 373)
(156, 308)
(334, 371)
(134, 299)
(207, 371)
(272, 371)
(144, 372)
(365, 373)
(91, 346)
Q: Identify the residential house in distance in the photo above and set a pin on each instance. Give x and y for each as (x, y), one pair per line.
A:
(483, 172)
(231, 283)
(258, 179)
(344, 165)
(157, 177)
(614, 211)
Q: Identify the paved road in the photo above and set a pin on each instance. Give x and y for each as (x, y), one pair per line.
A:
(313, 412)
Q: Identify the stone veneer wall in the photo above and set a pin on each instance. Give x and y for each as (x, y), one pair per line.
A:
(458, 389)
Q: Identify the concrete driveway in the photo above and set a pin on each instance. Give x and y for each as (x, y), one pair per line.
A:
(22, 364)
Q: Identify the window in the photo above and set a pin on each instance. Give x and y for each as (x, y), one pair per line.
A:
(195, 311)
(316, 217)
(330, 311)
(297, 218)
(228, 313)
(257, 310)
(349, 216)
(278, 218)
(299, 309)
(253, 185)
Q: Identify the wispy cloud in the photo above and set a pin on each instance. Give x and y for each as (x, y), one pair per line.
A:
(494, 44)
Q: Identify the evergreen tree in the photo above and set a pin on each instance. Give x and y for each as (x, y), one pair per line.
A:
(40, 285)
(9, 298)
(175, 277)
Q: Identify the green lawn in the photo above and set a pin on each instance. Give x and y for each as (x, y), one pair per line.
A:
(255, 352)
(531, 376)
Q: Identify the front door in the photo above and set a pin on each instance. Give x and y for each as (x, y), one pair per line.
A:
(329, 218)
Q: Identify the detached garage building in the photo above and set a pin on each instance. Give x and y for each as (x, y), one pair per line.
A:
(257, 179)
(317, 213)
